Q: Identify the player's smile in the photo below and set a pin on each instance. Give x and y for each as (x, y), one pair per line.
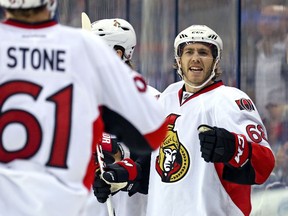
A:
(195, 69)
(194, 73)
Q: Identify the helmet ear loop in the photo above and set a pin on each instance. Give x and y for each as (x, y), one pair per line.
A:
(128, 56)
(214, 66)
(52, 5)
(179, 70)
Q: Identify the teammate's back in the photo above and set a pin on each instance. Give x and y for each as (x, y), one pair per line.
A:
(60, 87)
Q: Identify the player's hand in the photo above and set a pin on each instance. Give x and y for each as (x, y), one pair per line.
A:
(123, 175)
(112, 149)
(100, 188)
(220, 145)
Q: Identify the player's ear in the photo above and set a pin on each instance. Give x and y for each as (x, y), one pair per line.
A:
(120, 53)
(178, 61)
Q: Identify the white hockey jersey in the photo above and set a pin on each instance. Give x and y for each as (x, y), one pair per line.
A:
(181, 182)
(60, 87)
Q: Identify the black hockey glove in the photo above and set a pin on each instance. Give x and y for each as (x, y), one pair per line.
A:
(220, 145)
(122, 175)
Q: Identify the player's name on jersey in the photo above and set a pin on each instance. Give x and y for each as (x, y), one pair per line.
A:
(27, 58)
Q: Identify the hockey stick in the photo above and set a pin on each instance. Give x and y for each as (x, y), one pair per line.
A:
(203, 128)
(85, 20)
(86, 24)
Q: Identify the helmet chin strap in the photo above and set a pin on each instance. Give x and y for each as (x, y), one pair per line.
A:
(52, 8)
(191, 84)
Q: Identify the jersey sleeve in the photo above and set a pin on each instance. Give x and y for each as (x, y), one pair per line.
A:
(127, 109)
(153, 91)
(242, 118)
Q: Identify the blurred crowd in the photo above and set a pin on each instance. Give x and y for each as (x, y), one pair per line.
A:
(269, 85)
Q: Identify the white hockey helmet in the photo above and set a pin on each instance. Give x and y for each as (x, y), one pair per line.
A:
(193, 34)
(20, 4)
(198, 33)
(116, 32)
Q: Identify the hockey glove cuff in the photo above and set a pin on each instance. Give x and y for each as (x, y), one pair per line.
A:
(242, 151)
(112, 149)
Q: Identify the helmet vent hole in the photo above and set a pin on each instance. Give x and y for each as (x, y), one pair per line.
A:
(214, 37)
(183, 36)
(125, 29)
(101, 34)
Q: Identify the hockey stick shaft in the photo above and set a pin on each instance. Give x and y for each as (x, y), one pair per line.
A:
(86, 24)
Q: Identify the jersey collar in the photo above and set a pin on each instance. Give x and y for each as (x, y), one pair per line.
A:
(202, 91)
(37, 25)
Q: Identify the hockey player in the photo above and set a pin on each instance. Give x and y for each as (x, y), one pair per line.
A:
(60, 88)
(216, 146)
(119, 35)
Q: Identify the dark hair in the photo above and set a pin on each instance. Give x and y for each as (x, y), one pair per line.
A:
(26, 12)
